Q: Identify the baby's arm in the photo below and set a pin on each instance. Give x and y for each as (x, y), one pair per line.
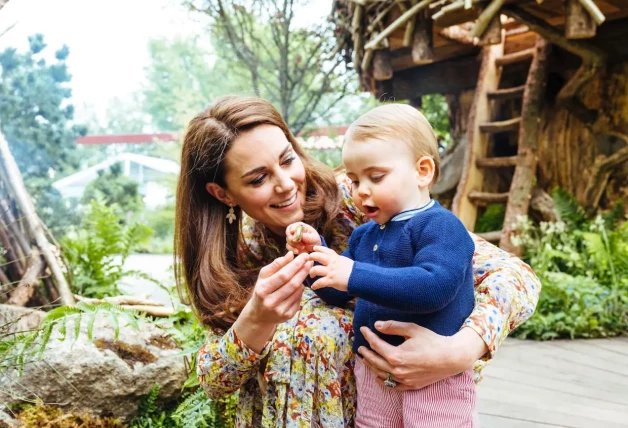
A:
(301, 238)
(433, 280)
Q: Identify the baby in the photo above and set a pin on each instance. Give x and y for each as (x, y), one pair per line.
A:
(412, 263)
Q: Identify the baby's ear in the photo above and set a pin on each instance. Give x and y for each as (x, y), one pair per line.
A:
(425, 168)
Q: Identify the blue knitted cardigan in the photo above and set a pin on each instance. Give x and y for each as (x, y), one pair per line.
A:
(415, 268)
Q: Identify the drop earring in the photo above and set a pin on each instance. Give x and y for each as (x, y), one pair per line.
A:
(231, 215)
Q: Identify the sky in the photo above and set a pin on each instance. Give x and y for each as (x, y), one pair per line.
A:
(108, 39)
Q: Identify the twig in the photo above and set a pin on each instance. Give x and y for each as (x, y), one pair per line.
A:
(594, 11)
(398, 22)
(486, 17)
(120, 300)
(407, 37)
(586, 51)
(33, 223)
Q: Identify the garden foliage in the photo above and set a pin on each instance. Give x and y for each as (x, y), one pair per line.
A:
(583, 266)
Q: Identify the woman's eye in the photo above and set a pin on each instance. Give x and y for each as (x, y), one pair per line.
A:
(288, 161)
(259, 180)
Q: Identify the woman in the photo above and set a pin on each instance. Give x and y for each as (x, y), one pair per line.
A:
(243, 180)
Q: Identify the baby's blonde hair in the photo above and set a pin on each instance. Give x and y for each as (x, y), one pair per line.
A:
(398, 122)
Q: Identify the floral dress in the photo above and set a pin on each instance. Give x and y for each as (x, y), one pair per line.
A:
(309, 370)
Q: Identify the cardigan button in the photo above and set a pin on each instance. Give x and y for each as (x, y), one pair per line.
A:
(381, 226)
(375, 247)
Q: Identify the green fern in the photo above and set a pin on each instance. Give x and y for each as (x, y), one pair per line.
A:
(17, 348)
(568, 209)
(98, 248)
(147, 405)
(492, 219)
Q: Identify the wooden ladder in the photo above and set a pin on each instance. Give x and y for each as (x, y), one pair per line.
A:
(471, 193)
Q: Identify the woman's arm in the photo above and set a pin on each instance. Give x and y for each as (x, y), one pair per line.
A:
(506, 293)
(424, 358)
(227, 361)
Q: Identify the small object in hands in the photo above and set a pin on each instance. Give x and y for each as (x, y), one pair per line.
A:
(298, 234)
(389, 382)
(231, 215)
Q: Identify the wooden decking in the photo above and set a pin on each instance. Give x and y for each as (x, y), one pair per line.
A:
(579, 384)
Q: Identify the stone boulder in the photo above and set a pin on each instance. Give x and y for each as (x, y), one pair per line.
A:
(105, 376)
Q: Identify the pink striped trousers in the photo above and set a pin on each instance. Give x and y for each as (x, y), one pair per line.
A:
(449, 403)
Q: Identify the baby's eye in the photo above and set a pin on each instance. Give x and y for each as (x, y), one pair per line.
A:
(377, 178)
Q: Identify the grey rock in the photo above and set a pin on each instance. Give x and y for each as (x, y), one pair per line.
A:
(17, 318)
(103, 377)
(7, 421)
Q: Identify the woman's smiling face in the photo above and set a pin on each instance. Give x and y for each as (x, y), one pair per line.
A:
(266, 178)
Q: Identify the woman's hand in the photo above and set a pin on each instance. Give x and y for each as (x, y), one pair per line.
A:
(424, 358)
(275, 299)
(301, 238)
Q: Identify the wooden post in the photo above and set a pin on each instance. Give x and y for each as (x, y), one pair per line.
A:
(472, 177)
(382, 64)
(422, 40)
(493, 33)
(31, 219)
(578, 23)
(525, 172)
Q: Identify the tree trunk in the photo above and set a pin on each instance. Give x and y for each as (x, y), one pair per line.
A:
(569, 148)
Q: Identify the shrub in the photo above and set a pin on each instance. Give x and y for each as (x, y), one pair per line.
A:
(583, 266)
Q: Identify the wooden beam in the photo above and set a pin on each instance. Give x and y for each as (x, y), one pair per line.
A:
(507, 93)
(517, 31)
(457, 34)
(450, 76)
(501, 126)
(579, 24)
(584, 50)
(498, 162)
(515, 57)
(26, 287)
(422, 40)
(382, 64)
(491, 236)
(525, 172)
(485, 198)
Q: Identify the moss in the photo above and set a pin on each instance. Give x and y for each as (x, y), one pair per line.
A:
(131, 354)
(52, 417)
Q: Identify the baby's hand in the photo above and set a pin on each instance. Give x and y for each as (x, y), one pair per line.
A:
(333, 269)
(301, 237)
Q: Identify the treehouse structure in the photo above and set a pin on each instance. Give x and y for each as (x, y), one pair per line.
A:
(537, 94)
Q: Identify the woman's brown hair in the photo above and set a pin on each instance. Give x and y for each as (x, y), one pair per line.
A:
(207, 267)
